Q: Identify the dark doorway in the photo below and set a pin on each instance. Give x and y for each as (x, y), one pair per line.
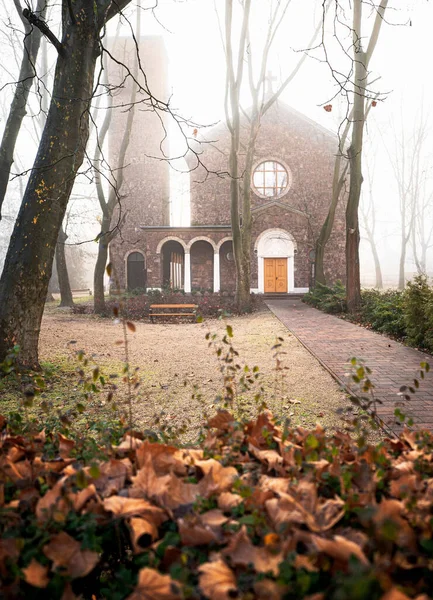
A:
(136, 275)
(172, 265)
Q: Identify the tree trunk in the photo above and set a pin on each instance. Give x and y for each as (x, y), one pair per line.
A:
(62, 271)
(17, 110)
(328, 225)
(101, 262)
(401, 277)
(353, 280)
(24, 282)
(378, 270)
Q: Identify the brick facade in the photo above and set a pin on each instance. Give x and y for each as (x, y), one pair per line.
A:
(306, 149)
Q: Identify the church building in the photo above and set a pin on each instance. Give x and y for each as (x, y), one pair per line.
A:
(291, 190)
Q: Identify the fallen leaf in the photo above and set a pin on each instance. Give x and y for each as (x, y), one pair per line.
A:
(216, 477)
(242, 552)
(222, 420)
(154, 586)
(164, 458)
(340, 549)
(52, 501)
(270, 457)
(36, 574)
(227, 501)
(143, 533)
(269, 590)
(217, 581)
(134, 507)
(68, 557)
(195, 533)
(167, 491)
(65, 446)
(394, 594)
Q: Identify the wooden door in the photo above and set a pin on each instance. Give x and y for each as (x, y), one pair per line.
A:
(275, 275)
(281, 275)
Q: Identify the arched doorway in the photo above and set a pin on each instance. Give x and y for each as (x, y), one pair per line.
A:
(202, 256)
(275, 254)
(136, 272)
(173, 265)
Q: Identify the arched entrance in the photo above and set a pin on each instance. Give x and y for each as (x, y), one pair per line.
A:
(136, 271)
(173, 265)
(275, 254)
(202, 258)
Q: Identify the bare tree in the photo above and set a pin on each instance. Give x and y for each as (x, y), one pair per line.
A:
(368, 214)
(17, 112)
(239, 58)
(341, 166)
(361, 62)
(408, 166)
(27, 270)
(108, 205)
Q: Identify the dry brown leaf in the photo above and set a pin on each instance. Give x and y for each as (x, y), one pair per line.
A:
(275, 484)
(15, 454)
(404, 485)
(217, 581)
(112, 476)
(240, 548)
(340, 549)
(227, 501)
(134, 507)
(20, 473)
(328, 513)
(167, 491)
(241, 551)
(214, 519)
(265, 560)
(164, 458)
(65, 446)
(195, 533)
(81, 498)
(271, 458)
(216, 477)
(154, 586)
(304, 562)
(129, 442)
(268, 590)
(53, 501)
(67, 556)
(36, 574)
(394, 594)
(392, 511)
(221, 420)
(143, 533)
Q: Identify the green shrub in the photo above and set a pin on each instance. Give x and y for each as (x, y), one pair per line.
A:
(326, 298)
(383, 311)
(418, 312)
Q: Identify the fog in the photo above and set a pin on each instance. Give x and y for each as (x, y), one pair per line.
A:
(197, 74)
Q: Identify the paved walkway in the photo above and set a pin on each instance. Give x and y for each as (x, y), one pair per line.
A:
(334, 342)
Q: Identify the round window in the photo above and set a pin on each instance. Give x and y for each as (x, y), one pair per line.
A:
(270, 179)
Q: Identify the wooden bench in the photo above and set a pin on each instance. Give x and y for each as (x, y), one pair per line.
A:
(172, 310)
(86, 291)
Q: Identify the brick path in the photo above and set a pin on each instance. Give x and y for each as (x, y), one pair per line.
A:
(334, 342)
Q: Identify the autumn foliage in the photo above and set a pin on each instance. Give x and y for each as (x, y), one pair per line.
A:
(260, 511)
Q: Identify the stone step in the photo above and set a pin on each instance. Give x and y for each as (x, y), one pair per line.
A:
(277, 296)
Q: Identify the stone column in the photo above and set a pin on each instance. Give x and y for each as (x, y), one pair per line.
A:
(187, 273)
(216, 272)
